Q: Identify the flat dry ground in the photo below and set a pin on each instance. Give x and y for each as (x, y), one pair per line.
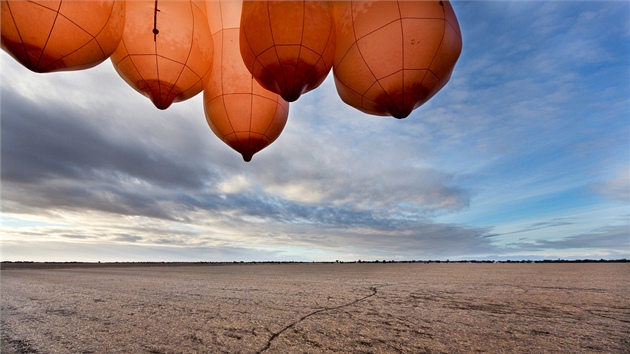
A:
(319, 308)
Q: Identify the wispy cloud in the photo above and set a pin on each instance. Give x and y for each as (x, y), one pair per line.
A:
(614, 238)
(542, 225)
(617, 188)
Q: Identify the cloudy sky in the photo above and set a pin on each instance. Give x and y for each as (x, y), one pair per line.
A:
(525, 154)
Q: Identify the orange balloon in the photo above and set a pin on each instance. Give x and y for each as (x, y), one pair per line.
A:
(288, 46)
(166, 50)
(47, 36)
(239, 111)
(393, 56)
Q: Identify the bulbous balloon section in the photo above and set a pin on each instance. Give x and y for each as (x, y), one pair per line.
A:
(288, 46)
(393, 56)
(166, 49)
(239, 111)
(46, 36)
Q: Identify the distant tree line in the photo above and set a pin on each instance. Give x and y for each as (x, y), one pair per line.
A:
(622, 260)
(34, 264)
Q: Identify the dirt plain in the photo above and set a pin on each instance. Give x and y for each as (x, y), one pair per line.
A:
(319, 308)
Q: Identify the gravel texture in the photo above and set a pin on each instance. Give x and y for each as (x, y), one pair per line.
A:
(319, 308)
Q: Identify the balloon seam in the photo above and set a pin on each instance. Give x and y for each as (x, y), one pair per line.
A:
(19, 34)
(85, 44)
(49, 34)
(185, 65)
(273, 39)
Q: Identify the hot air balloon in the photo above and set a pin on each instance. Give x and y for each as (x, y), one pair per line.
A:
(393, 56)
(288, 46)
(239, 111)
(47, 36)
(166, 50)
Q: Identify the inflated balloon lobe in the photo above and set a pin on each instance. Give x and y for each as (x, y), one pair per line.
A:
(393, 56)
(166, 50)
(288, 46)
(242, 113)
(47, 36)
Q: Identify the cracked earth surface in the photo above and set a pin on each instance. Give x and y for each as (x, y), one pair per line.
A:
(318, 308)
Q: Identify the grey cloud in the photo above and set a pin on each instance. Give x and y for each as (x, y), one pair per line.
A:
(611, 238)
(72, 236)
(53, 156)
(280, 211)
(82, 195)
(92, 252)
(52, 141)
(615, 189)
(361, 169)
(542, 225)
(127, 238)
(418, 241)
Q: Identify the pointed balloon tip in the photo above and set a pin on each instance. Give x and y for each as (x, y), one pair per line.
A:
(401, 114)
(36, 70)
(292, 97)
(161, 105)
(160, 93)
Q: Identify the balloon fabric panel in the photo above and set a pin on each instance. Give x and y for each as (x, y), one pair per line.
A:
(242, 113)
(288, 46)
(166, 50)
(48, 36)
(391, 57)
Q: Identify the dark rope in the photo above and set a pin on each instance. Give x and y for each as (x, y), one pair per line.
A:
(155, 30)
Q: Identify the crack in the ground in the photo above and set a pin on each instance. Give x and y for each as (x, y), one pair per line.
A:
(277, 334)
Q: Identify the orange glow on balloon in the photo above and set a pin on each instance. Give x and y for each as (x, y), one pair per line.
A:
(239, 111)
(288, 46)
(166, 49)
(46, 36)
(393, 56)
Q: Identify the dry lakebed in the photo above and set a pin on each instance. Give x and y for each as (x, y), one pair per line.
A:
(318, 308)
